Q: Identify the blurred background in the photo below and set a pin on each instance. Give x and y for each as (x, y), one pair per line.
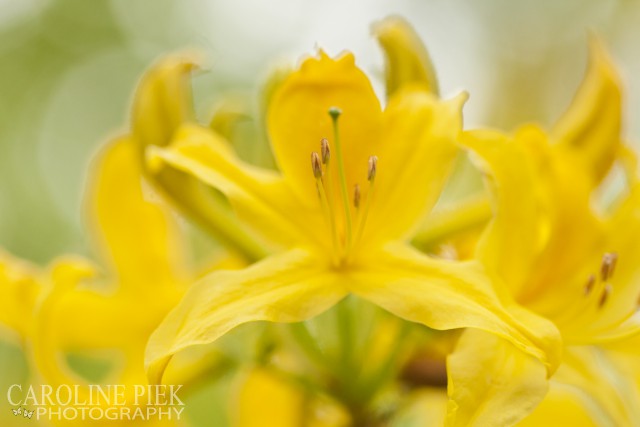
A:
(68, 69)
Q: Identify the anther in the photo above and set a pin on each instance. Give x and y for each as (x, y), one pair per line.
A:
(588, 287)
(356, 196)
(373, 167)
(325, 150)
(315, 165)
(608, 265)
(605, 295)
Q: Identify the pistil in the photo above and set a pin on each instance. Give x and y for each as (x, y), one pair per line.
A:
(322, 194)
(335, 114)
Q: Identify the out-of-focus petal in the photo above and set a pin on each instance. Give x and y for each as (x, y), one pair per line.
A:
(590, 129)
(407, 59)
(20, 287)
(589, 389)
(163, 100)
(137, 233)
(491, 382)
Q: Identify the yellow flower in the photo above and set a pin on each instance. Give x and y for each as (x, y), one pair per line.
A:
(139, 241)
(62, 311)
(19, 290)
(264, 395)
(552, 249)
(354, 182)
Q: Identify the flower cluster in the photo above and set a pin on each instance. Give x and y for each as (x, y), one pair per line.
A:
(376, 303)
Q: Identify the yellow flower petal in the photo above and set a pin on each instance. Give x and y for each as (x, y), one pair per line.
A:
(261, 197)
(109, 321)
(590, 129)
(546, 236)
(623, 232)
(407, 59)
(64, 275)
(561, 407)
(265, 396)
(415, 158)
(491, 382)
(163, 100)
(298, 118)
(593, 387)
(140, 241)
(20, 287)
(285, 288)
(448, 295)
(509, 244)
(136, 232)
(162, 104)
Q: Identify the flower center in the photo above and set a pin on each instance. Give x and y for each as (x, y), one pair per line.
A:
(345, 213)
(596, 292)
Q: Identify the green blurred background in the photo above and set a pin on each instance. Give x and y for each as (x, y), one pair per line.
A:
(68, 69)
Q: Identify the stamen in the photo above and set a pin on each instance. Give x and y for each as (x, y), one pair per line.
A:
(325, 151)
(590, 283)
(608, 289)
(315, 165)
(373, 168)
(356, 196)
(597, 292)
(335, 112)
(324, 202)
(326, 157)
(364, 213)
(608, 265)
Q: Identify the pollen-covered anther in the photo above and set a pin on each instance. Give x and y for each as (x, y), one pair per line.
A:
(588, 287)
(372, 168)
(356, 196)
(608, 265)
(606, 292)
(325, 151)
(315, 165)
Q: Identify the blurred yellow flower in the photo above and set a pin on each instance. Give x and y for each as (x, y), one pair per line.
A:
(339, 224)
(19, 290)
(141, 245)
(60, 312)
(551, 249)
(265, 395)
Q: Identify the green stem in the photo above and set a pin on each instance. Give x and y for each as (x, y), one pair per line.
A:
(308, 344)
